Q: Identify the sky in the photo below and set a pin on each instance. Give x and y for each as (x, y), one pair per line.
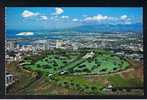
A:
(46, 18)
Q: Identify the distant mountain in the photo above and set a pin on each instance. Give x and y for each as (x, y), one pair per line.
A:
(109, 28)
(103, 28)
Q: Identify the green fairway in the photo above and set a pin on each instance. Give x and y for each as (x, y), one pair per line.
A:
(102, 62)
(50, 64)
(87, 72)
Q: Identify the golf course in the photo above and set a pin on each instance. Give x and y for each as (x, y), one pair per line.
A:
(76, 72)
(101, 62)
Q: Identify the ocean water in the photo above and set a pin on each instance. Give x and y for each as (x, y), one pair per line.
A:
(10, 34)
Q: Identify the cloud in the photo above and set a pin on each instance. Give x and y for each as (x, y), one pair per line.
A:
(98, 17)
(44, 17)
(58, 11)
(25, 33)
(64, 17)
(75, 20)
(123, 17)
(27, 13)
(36, 15)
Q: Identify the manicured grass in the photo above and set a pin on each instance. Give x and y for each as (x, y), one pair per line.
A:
(102, 62)
(76, 79)
(51, 63)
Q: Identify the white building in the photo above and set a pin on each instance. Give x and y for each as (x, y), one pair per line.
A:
(40, 45)
(59, 43)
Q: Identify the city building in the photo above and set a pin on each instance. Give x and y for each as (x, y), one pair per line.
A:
(59, 43)
(10, 45)
(40, 45)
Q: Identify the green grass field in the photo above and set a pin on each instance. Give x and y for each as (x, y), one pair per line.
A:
(83, 76)
(75, 64)
(102, 62)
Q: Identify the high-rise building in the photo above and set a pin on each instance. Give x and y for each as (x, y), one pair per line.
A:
(40, 45)
(59, 43)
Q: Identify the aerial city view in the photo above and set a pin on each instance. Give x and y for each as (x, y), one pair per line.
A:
(74, 51)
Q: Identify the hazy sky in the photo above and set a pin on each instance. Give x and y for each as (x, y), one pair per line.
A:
(44, 18)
